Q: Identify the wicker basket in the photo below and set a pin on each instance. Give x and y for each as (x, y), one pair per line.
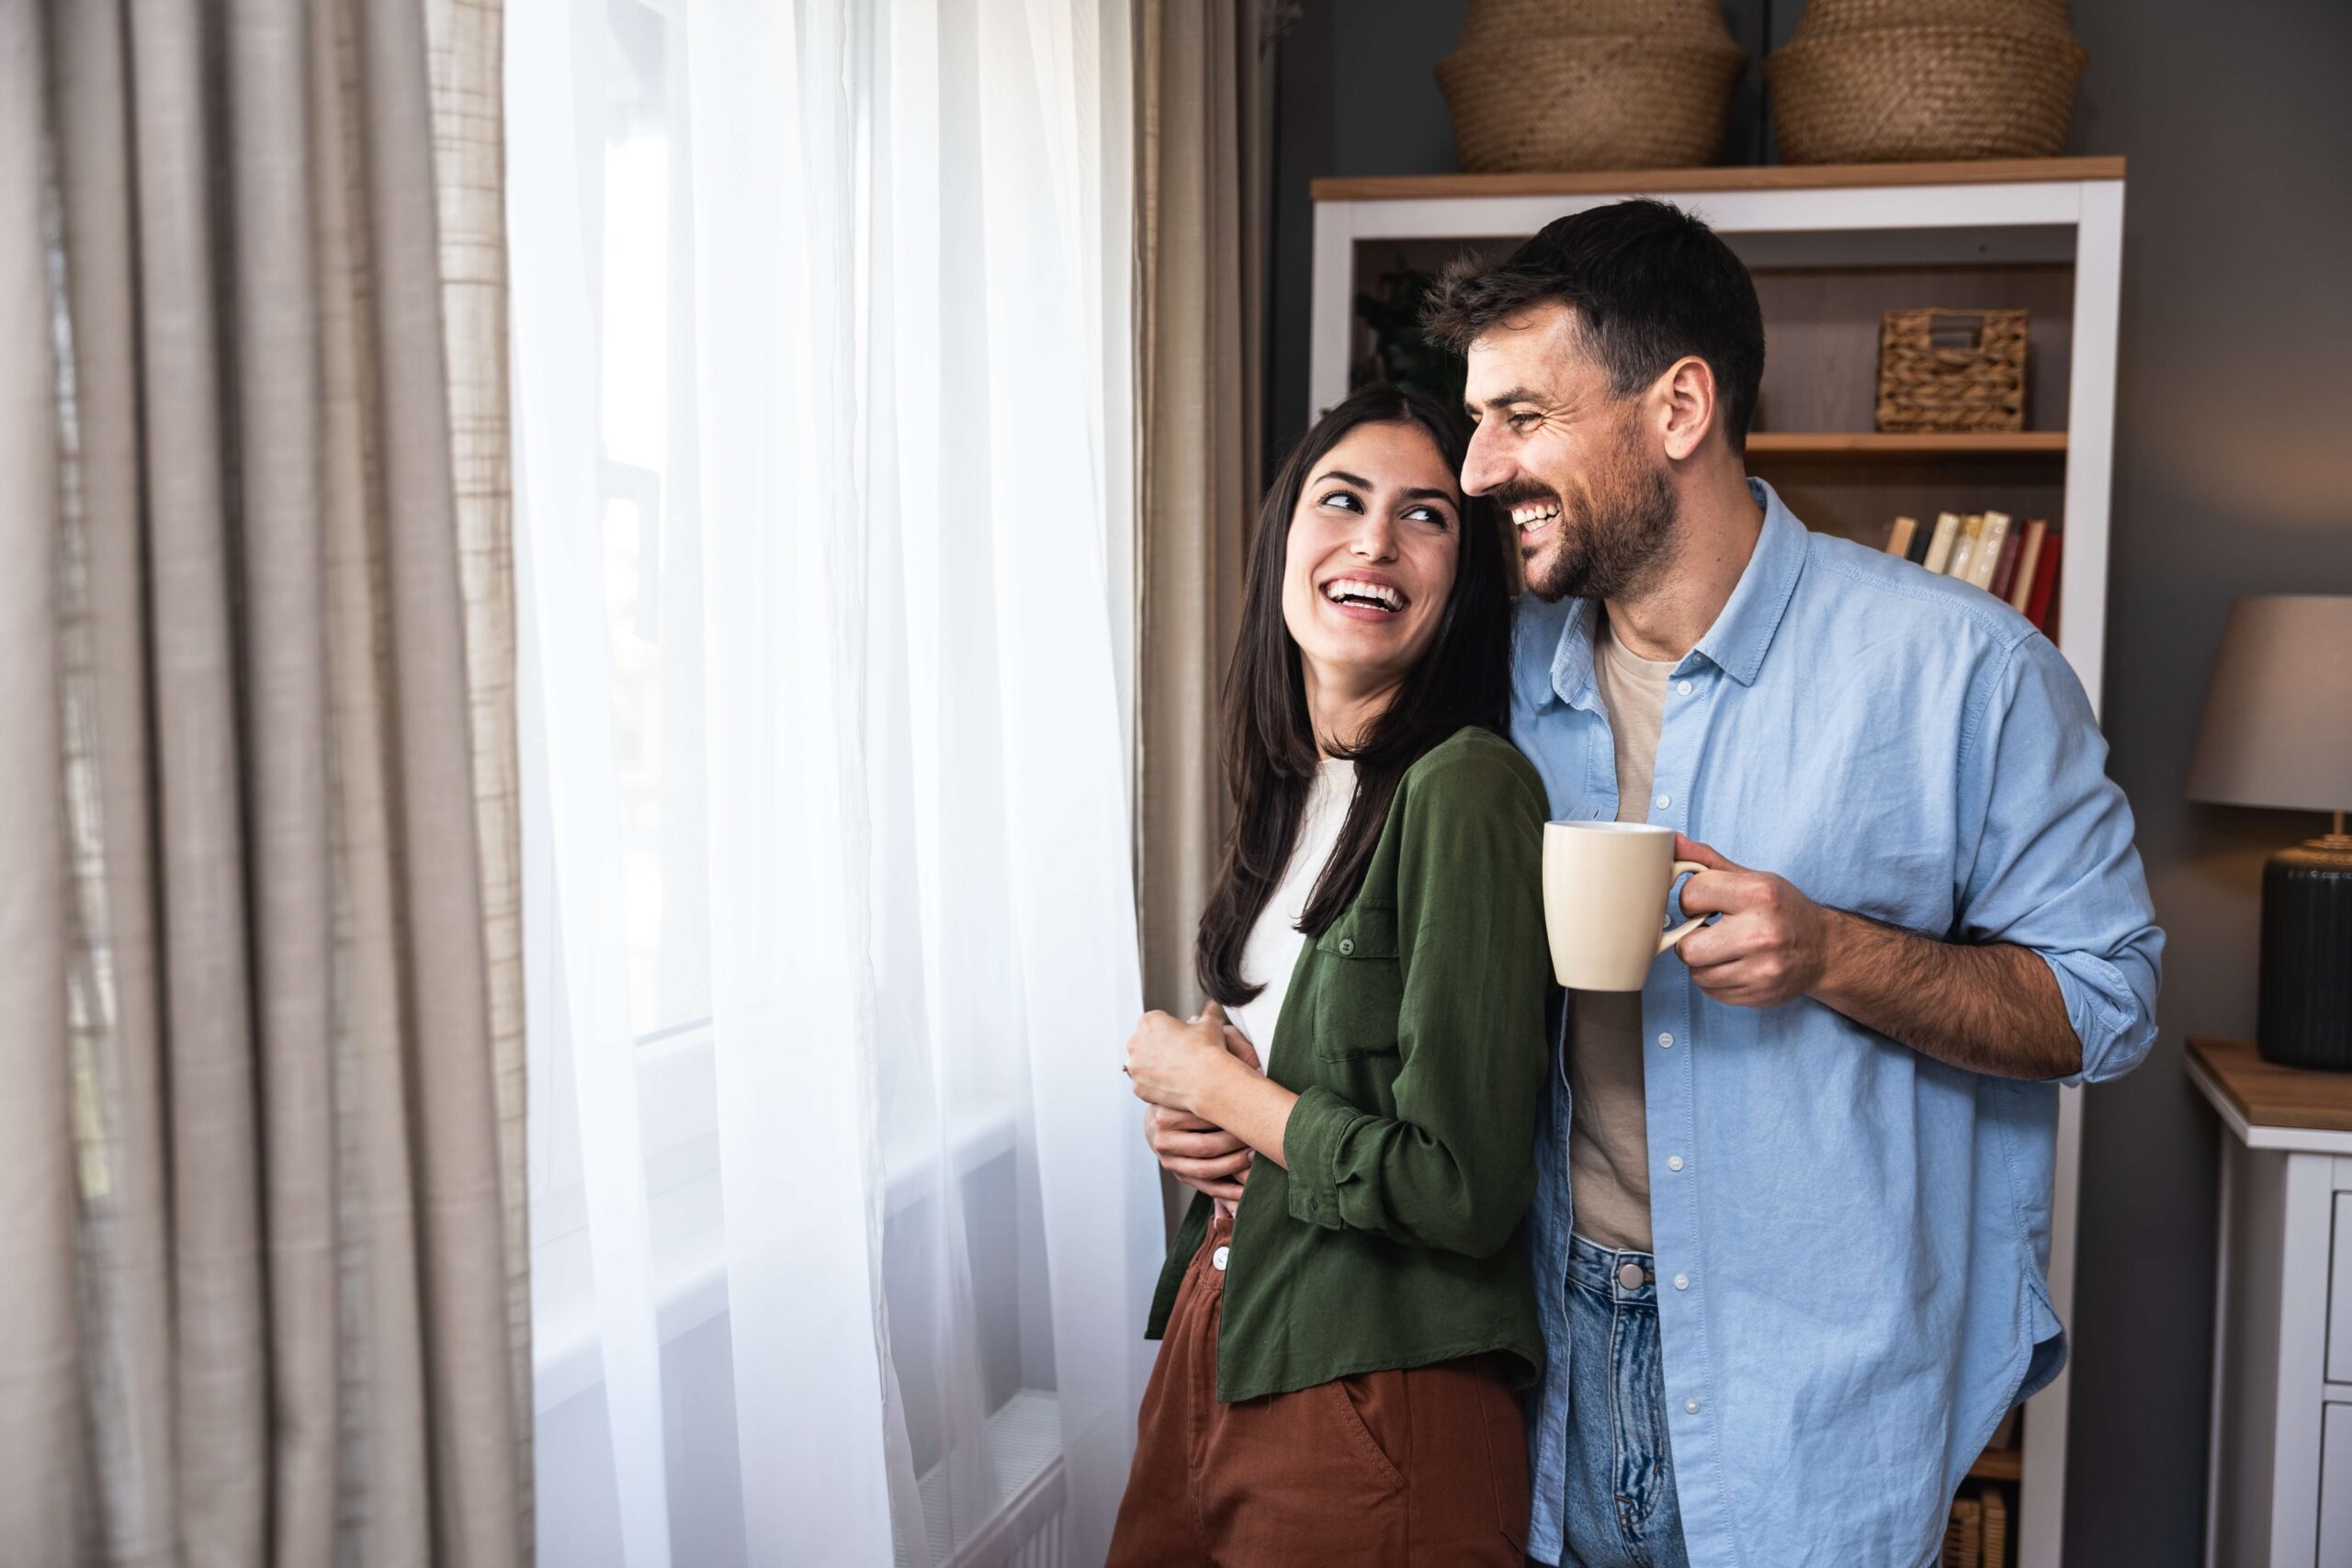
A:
(1931, 383)
(1544, 85)
(1963, 1536)
(1901, 81)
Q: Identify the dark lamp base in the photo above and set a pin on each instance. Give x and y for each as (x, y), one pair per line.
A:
(2305, 1016)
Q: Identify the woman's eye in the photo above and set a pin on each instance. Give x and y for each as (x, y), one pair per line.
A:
(1430, 515)
(1344, 499)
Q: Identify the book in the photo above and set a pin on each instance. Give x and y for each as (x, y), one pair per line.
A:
(1963, 547)
(1987, 558)
(1939, 547)
(1920, 541)
(2042, 608)
(2029, 555)
(2008, 566)
(1898, 538)
(1997, 1528)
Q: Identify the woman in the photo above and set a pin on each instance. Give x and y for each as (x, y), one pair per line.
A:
(1341, 1350)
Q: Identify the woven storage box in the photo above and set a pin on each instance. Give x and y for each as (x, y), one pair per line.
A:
(1558, 84)
(1952, 370)
(1963, 1536)
(1896, 81)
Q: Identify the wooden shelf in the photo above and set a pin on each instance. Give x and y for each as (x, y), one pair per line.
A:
(1769, 176)
(1998, 1464)
(1865, 446)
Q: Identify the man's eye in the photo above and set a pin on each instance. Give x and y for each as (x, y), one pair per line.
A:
(1523, 421)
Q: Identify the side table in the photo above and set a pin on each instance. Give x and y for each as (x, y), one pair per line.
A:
(2278, 1476)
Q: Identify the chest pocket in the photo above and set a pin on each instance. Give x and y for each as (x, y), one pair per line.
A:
(1363, 986)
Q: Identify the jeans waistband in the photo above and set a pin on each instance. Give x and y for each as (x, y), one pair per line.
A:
(1603, 1269)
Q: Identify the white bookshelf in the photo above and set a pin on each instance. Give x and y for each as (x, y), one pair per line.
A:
(1832, 247)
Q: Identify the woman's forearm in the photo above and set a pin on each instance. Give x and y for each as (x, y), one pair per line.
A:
(1250, 1106)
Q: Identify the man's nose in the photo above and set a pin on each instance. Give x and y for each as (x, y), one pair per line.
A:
(1483, 468)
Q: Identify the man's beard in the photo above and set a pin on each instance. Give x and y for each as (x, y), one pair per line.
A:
(1612, 542)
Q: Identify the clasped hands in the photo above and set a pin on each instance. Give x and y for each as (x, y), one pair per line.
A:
(1169, 1060)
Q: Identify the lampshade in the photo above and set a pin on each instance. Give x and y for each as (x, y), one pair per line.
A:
(2278, 725)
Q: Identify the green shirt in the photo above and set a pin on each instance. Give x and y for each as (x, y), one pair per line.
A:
(1414, 1036)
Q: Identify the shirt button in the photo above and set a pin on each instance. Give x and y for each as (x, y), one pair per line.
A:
(1218, 1258)
(1674, 1162)
(1692, 1406)
(1665, 801)
(1684, 688)
(1347, 945)
(1682, 1282)
(1665, 1042)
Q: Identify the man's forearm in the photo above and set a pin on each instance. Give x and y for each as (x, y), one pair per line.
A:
(1993, 1010)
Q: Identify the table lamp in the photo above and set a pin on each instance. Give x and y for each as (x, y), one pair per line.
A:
(2277, 732)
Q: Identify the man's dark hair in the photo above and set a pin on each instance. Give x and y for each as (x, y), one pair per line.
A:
(1650, 284)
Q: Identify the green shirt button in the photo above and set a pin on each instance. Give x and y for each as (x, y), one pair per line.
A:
(1347, 945)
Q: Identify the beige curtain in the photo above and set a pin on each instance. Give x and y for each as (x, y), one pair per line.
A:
(1204, 78)
(261, 1217)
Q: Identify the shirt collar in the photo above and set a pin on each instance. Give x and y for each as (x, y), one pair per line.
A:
(1743, 631)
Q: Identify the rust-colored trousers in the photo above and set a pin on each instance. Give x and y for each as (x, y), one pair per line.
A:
(1424, 1465)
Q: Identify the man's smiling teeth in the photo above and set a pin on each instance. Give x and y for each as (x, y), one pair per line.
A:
(1354, 590)
(1534, 514)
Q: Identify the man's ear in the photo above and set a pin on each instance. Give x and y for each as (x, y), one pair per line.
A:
(1688, 393)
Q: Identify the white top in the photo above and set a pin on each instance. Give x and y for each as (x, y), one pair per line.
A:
(1272, 949)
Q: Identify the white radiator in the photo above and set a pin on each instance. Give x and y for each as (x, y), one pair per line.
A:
(1024, 1529)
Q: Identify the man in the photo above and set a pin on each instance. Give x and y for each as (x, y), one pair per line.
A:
(1794, 1213)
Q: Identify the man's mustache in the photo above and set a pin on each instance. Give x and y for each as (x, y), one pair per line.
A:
(1518, 492)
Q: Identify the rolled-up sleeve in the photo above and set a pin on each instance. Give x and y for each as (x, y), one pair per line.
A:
(2052, 867)
(1453, 1167)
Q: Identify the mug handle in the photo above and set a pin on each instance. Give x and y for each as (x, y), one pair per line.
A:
(1687, 927)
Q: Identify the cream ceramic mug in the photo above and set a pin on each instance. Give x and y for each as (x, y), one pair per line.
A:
(1604, 901)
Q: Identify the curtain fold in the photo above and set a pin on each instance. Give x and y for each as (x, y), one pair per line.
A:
(278, 856)
(845, 1237)
(1204, 75)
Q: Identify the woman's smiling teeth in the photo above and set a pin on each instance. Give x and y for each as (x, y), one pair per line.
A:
(1533, 514)
(1363, 593)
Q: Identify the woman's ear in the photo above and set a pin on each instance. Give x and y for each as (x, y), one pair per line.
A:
(1688, 390)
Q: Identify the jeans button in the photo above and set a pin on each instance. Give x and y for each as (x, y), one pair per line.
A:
(1629, 1276)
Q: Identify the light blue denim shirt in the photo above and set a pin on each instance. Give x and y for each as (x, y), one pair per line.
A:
(1856, 1236)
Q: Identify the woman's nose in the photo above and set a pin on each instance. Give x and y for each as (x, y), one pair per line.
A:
(1377, 539)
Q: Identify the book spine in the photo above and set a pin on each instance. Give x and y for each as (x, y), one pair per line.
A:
(2029, 557)
(2006, 568)
(1989, 544)
(1922, 540)
(1898, 538)
(2043, 610)
(1963, 549)
(1939, 549)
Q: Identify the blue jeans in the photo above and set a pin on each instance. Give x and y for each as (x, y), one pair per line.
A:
(1620, 1511)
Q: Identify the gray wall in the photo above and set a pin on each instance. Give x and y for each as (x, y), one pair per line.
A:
(2233, 475)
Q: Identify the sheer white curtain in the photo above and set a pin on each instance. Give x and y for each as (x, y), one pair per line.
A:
(842, 1232)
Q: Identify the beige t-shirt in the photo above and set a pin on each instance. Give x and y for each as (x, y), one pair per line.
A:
(1609, 1170)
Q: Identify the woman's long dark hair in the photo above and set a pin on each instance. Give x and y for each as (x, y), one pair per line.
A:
(1269, 751)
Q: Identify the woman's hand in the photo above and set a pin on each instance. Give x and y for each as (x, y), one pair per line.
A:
(1201, 1155)
(1173, 1063)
